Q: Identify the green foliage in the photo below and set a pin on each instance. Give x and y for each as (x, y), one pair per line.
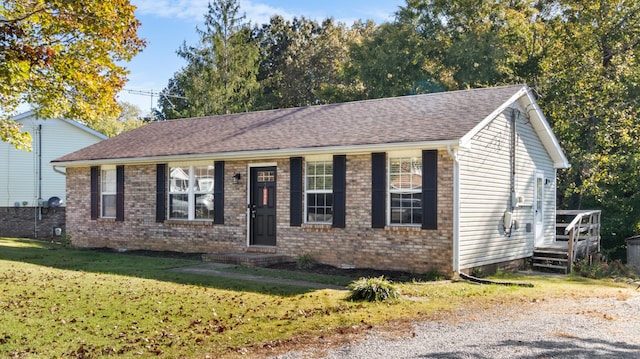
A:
(298, 59)
(599, 267)
(376, 289)
(478, 273)
(305, 261)
(589, 91)
(220, 76)
(128, 119)
(62, 56)
(434, 275)
(65, 240)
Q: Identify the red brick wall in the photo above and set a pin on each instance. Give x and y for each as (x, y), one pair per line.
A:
(395, 248)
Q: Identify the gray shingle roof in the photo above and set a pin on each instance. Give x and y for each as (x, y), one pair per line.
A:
(421, 118)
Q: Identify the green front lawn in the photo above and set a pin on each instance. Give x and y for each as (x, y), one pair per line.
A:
(59, 302)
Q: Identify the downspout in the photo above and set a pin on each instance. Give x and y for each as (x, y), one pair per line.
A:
(456, 208)
(57, 170)
(38, 208)
(508, 221)
(40, 167)
(513, 159)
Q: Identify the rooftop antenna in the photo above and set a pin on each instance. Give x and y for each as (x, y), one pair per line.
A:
(152, 93)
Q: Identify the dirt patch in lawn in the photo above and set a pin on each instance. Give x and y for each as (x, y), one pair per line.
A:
(148, 253)
(317, 268)
(355, 273)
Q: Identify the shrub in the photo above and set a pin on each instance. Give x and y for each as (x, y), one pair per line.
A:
(376, 289)
(305, 261)
(599, 268)
(478, 273)
(65, 240)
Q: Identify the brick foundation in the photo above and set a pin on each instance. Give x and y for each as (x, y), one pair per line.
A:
(31, 222)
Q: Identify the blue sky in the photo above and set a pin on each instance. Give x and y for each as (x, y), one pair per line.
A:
(166, 24)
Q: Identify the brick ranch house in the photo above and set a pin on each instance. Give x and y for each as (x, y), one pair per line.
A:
(445, 181)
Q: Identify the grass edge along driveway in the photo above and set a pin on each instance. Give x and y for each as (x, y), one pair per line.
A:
(60, 302)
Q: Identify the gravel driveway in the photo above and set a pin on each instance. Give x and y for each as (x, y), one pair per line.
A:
(555, 328)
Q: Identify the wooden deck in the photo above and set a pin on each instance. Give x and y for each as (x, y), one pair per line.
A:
(577, 237)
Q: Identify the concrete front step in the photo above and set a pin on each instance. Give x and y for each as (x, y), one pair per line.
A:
(248, 259)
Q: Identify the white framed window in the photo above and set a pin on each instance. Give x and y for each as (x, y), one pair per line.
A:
(405, 190)
(191, 191)
(108, 191)
(319, 191)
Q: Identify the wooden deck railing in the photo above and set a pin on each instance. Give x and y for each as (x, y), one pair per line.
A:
(582, 234)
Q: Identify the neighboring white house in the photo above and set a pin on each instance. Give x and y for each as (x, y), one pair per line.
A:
(27, 180)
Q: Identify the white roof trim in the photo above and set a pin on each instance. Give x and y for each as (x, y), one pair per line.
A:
(539, 123)
(31, 113)
(23, 115)
(466, 139)
(267, 154)
(548, 138)
(85, 128)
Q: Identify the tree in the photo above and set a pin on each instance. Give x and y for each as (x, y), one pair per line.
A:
(471, 43)
(390, 61)
(220, 75)
(128, 119)
(298, 58)
(590, 90)
(581, 57)
(62, 57)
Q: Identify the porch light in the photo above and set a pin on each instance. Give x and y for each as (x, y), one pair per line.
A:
(236, 178)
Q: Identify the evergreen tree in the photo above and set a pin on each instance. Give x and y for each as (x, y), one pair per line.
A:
(220, 75)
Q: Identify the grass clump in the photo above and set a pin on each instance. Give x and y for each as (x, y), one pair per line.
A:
(305, 261)
(377, 289)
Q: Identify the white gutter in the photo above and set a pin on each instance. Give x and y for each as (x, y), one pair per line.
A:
(453, 152)
(56, 169)
(264, 154)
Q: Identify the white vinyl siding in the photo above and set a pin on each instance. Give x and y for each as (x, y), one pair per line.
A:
(485, 193)
(19, 169)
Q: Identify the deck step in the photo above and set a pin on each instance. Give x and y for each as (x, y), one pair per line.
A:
(551, 259)
(551, 266)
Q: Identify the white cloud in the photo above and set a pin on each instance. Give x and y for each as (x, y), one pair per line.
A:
(257, 12)
(181, 9)
(194, 10)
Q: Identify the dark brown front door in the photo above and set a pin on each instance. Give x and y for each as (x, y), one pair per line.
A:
(262, 209)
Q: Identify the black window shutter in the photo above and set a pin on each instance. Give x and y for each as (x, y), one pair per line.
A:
(218, 193)
(161, 192)
(295, 205)
(430, 189)
(95, 192)
(119, 193)
(339, 190)
(378, 189)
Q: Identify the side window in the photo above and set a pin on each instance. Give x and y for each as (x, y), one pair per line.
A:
(191, 192)
(405, 191)
(319, 191)
(108, 192)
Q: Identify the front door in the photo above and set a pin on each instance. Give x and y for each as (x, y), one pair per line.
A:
(538, 208)
(262, 207)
